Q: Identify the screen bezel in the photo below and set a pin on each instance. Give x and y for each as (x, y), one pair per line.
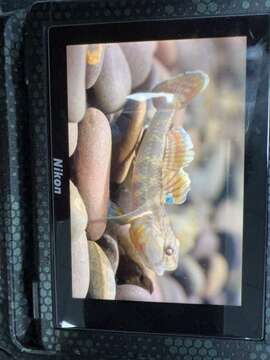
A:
(245, 321)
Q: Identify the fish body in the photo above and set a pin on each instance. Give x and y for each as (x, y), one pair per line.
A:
(158, 176)
(147, 171)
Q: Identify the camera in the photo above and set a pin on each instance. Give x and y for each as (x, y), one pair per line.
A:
(135, 169)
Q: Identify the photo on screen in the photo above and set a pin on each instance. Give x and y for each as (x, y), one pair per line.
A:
(157, 170)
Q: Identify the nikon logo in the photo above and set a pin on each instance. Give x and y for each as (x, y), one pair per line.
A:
(57, 175)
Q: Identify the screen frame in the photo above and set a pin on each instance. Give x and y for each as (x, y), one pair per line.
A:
(244, 321)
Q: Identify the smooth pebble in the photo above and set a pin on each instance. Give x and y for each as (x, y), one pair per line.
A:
(91, 169)
(72, 137)
(166, 52)
(217, 275)
(76, 72)
(191, 276)
(139, 56)
(110, 247)
(132, 293)
(94, 61)
(80, 266)
(114, 82)
(102, 281)
(172, 291)
(78, 214)
(206, 244)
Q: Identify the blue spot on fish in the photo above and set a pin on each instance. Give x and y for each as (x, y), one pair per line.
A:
(169, 199)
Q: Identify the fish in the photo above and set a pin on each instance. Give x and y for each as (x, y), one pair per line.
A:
(159, 177)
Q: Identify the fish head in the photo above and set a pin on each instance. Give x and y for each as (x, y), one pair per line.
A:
(155, 243)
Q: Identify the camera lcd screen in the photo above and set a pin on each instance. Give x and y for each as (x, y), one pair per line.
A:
(158, 175)
(166, 174)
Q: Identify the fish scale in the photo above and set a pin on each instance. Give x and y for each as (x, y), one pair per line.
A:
(148, 164)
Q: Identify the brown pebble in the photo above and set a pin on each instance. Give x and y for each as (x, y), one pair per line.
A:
(191, 276)
(76, 70)
(120, 172)
(229, 217)
(172, 291)
(208, 180)
(72, 137)
(80, 266)
(114, 82)
(217, 275)
(194, 300)
(102, 281)
(130, 272)
(157, 295)
(78, 214)
(94, 61)
(110, 247)
(219, 299)
(139, 56)
(132, 293)
(167, 53)
(206, 244)
(79, 247)
(91, 169)
(157, 74)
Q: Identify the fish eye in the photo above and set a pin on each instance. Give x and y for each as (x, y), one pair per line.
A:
(169, 251)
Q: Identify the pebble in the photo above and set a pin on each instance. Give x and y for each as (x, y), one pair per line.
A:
(217, 275)
(94, 61)
(187, 55)
(72, 137)
(130, 272)
(79, 247)
(139, 56)
(194, 300)
(110, 247)
(171, 290)
(78, 214)
(206, 244)
(80, 266)
(157, 74)
(208, 180)
(229, 218)
(167, 53)
(132, 293)
(119, 173)
(91, 169)
(76, 72)
(219, 299)
(230, 246)
(191, 276)
(114, 82)
(102, 281)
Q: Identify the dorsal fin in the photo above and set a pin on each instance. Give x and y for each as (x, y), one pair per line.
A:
(179, 150)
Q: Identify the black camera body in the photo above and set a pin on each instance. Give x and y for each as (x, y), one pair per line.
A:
(39, 317)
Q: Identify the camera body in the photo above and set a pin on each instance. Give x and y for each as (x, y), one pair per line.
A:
(27, 277)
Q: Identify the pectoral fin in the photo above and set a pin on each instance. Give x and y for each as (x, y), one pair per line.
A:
(175, 187)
